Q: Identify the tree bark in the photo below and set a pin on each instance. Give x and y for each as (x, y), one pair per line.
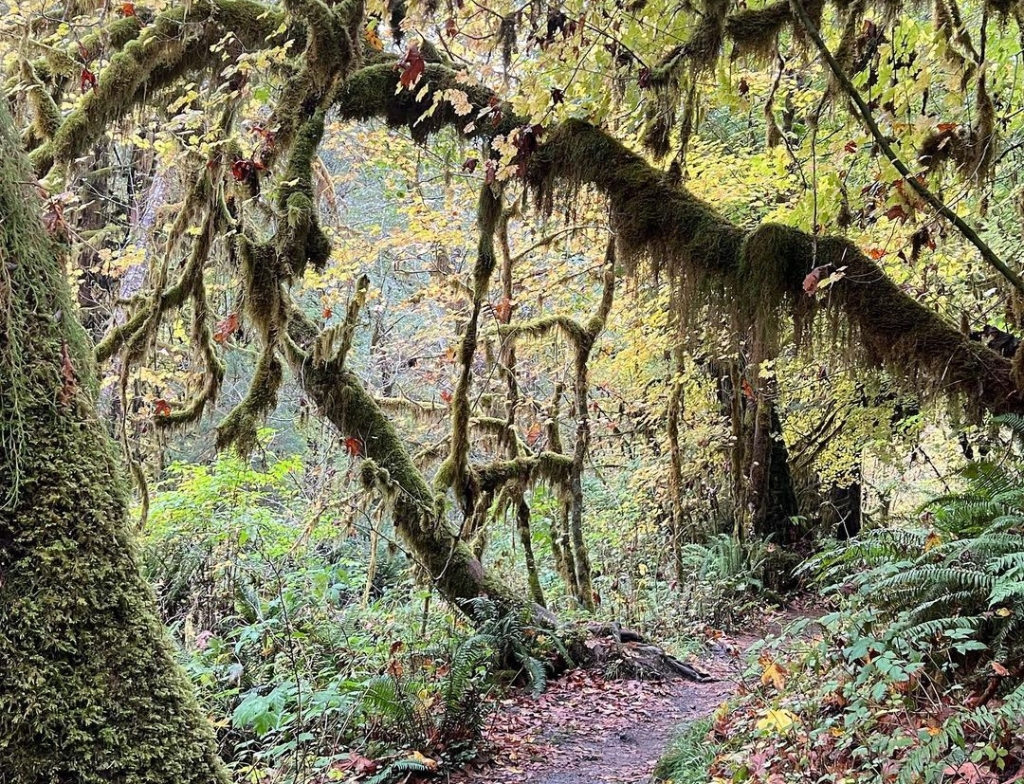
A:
(89, 691)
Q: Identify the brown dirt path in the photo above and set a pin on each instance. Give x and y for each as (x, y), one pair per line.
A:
(586, 730)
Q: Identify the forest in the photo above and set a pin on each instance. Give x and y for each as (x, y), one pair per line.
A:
(553, 391)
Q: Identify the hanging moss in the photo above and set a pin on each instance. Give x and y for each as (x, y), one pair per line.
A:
(755, 32)
(417, 512)
(46, 113)
(89, 691)
(178, 42)
(240, 427)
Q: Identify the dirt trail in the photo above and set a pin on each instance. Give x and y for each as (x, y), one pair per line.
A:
(586, 730)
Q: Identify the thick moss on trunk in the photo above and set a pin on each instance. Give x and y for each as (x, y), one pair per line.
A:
(89, 691)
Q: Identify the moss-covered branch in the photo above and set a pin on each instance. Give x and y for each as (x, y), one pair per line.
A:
(417, 511)
(180, 41)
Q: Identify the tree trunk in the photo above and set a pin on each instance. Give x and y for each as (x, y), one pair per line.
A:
(89, 691)
(525, 538)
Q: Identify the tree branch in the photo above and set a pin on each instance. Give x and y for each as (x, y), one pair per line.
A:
(883, 143)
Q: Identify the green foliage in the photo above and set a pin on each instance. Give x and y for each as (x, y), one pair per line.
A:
(295, 668)
(917, 676)
(851, 698)
(689, 755)
(962, 576)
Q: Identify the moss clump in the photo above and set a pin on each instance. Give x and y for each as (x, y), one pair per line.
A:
(89, 691)
(370, 93)
(755, 32)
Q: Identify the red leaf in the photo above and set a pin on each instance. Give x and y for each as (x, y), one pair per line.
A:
(490, 170)
(242, 169)
(496, 115)
(851, 147)
(811, 281)
(469, 165)
(446, 396)
(503, 310)
(128, 9)
(162, 408)
(412, 65)
(451, 28)
(226, 327)
(557, 96)
(897, 213)
(87, 81)
(353, 446)
(358, 764)
(327, 313)
(876, 253)
(643, 79)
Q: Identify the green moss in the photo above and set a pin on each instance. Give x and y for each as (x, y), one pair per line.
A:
(239, 429)
(46, 113)
(89, 692)
(178, 42)
(370, 93)
(756, 31)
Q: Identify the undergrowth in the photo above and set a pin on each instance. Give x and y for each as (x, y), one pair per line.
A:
(918, 676)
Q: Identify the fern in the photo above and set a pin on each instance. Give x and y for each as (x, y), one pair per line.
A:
(398, 771)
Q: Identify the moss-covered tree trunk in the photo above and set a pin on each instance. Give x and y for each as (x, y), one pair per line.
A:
(89, 691)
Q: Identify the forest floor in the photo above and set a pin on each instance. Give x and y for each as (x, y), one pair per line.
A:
(587, 730)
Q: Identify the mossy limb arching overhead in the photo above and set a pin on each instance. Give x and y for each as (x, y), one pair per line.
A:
(683, 235)
(89, 691)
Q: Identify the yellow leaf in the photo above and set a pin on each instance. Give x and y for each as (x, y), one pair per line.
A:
(779, 720)
(774, 673)
(428, 763)
(1004, 612)
(373, 39)
(931, 541)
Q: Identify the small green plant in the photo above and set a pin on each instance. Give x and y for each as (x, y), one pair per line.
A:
(689, 756)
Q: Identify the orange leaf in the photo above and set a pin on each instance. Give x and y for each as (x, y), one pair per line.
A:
(503, 310)
(226, 327)
(748, 390)
(533, 434)
(353, 446)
